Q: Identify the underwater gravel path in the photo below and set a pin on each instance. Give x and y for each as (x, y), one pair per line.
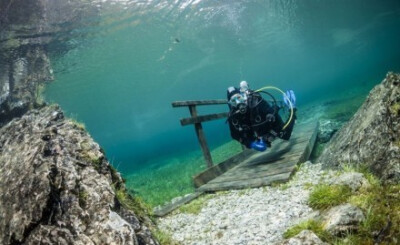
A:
(252, 216)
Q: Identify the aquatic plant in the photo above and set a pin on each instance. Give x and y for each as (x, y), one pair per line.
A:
(173, 177)
(312, 225)
(308, 185)
(132, 202)
(395, 109)
(243, 192)
(83, 196)
(280, 185)
(379, 202)
(352, 239)
(326, 196)
(163, 237)
(78, 125)
(195, 206)
(381, 205)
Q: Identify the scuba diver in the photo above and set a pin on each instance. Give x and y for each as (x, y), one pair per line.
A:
(255, 122)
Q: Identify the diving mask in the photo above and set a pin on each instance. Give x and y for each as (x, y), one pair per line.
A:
(238, 99)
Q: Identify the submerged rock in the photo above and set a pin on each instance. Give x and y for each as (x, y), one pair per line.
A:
(305, 237)
(372, 137)
(56, 186)
(352, 179)
(327, 128)
(343, 219)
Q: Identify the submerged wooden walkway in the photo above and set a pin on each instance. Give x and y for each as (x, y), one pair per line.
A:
(250, 169)
(254, 169)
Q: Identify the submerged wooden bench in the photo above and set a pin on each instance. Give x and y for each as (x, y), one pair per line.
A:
(251, 169)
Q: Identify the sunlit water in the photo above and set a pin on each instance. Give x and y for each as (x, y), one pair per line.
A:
(120, 71)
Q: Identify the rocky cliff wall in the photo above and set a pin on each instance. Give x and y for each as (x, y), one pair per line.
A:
(372, 136)
(56, 187)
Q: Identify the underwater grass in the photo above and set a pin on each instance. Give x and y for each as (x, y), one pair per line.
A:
(312, 225)
(172, 177)
(381, 207)
(195, 206)
(326, 196)
(163, 237)
(395, 109)
(379, 202)
(80, 125)
(133, 202)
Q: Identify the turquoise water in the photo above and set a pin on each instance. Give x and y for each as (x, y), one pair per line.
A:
(122, 71)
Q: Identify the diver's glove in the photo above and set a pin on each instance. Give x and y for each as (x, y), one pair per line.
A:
(292, 98)
(258, 145)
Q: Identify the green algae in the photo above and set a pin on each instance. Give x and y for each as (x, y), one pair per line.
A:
(395, 109)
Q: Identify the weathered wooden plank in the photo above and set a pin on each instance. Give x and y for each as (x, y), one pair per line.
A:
(243, 169)
(201, 137)
(310, 145)
(205, 118)
(164, 210)
(270, 158)
(198, 102)
(246, 183)
(217, 170)
(253, 175)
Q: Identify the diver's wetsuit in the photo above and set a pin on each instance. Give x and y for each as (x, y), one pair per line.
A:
(257, 119)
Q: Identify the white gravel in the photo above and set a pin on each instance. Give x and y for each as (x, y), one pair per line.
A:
(252, 216)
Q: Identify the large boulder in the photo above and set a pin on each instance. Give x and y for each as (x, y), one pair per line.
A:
(56, 186)
(372, 136)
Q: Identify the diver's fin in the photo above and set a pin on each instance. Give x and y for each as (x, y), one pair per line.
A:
(291, 96)
(258, 145)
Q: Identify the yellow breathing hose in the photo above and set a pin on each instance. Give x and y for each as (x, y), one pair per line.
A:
(290, 103)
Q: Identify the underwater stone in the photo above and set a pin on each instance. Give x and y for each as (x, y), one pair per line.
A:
(343, 219)
(51, 192)
(305, 237)
(352, 179)
(372, 137)
(327, 128)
